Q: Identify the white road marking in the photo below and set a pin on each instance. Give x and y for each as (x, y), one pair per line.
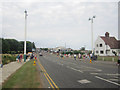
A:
(95, 73)
(84, 81)
(113, 79)
(107, 80)
(105, 74)
(114, 74)
(86, 68)
(75, 69)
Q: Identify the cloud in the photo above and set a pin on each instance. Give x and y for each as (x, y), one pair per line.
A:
(52, 24)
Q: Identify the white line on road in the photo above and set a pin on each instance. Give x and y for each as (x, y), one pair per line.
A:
(113, 79)
(107, 80)
(75, 69)
(95, 73)
(89, 68)
(84, 81)
(116, 74)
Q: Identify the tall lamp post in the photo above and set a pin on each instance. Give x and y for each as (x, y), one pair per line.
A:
(25, 35)
(91, 19)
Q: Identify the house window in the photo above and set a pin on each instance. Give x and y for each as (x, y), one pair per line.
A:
(96, 51)
(101, 52)
(100, 45)
(97, 45)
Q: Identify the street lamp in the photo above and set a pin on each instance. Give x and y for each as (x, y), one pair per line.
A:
(25, 35)
(92, 31)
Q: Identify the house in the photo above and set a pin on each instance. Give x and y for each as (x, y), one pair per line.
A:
(107, 46)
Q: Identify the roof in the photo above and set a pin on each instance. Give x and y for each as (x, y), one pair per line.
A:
(112, 42)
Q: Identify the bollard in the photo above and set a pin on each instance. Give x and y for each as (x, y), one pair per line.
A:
(34, 63)
(103, 58)
(90, 61)
(113, 59)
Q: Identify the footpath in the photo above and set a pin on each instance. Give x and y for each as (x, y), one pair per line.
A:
(8, 69)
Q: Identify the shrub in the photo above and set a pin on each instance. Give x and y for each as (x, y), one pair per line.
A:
(8, 58)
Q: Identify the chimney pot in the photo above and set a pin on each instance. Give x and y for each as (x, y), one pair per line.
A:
(106, 34)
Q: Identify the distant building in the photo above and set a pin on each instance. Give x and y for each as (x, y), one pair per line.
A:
(61, 49)
(107, 46)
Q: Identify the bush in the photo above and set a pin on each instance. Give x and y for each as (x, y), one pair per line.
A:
(8, 58)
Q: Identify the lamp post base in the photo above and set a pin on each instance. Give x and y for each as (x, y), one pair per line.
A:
(24, 57)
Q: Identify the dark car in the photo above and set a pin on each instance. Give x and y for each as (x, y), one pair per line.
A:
(40, 54)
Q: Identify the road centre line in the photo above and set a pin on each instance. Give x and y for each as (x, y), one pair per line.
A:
(108, 81)
(48, 81)
(48, 77)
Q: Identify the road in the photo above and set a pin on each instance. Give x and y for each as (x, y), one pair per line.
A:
(69, 73)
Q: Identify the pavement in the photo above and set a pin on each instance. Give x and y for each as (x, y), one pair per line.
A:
(9, 69)
(69, 73)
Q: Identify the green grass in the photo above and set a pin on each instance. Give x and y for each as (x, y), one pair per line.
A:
(25, 77)
(108, 58)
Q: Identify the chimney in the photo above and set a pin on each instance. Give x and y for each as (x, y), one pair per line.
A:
(106, 34)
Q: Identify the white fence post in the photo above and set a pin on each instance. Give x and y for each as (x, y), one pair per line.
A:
(103, 58)
(113, 59)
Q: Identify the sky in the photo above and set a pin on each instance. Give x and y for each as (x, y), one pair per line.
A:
(52, 23)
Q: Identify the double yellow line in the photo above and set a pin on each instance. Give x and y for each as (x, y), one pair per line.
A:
(51, 82)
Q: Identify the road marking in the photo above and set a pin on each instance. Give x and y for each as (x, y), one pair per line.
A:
(48, 77)
(86, 67)
(84, 81)
(114, 74)
(75, 69)
(105, 74)
(52, 81)
(113, 79)
(95, 73)
(107, 80)
(48, 81)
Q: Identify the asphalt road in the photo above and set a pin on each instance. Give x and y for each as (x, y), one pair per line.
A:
(70, 73)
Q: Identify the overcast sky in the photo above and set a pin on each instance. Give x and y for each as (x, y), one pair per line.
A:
(54, 23)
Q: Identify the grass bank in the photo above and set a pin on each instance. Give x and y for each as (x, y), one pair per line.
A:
(25, 77)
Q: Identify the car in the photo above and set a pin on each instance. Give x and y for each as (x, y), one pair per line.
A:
(40, 54)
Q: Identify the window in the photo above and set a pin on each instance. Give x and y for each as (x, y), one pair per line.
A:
(100, 45)
(96, 51)
(97, 45)
(101, 52)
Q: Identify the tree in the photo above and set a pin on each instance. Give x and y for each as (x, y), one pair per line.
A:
(29, 46)
(5, 46)
(13, 46)
(82, 48)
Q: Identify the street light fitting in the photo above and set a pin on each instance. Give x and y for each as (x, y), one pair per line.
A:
(94, 16)
(25, 11)
(89, 19)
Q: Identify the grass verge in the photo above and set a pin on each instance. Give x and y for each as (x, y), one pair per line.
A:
(108, 58)
(25, 77)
